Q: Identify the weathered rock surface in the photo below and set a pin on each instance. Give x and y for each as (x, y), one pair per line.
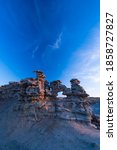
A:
(31, 113)
(20, 130)
(40, 95)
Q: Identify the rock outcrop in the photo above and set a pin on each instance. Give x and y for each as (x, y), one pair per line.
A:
(39, 98)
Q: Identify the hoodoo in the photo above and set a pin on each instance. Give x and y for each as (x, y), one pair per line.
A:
(39, 94)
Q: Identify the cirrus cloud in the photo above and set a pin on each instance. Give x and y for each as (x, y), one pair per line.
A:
(85, 65)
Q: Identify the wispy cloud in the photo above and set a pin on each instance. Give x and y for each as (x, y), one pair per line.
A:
(57, 43)
(34, 51)
(85, 65)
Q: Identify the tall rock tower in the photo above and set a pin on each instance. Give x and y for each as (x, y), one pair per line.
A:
(41, 79)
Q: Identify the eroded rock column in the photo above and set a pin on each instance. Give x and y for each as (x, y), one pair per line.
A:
(41, 80)
(77, 90)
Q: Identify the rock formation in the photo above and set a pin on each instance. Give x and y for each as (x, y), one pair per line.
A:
(39, 95)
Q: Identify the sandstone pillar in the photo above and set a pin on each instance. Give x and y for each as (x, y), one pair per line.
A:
(41, 80)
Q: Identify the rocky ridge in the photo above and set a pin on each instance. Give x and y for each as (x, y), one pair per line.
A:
(39, 94)
(32, 116)
(39, 98)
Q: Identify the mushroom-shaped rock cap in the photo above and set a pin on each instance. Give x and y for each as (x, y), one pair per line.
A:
(59, 81)
(56, 82)
(75, 81)
(39, 73)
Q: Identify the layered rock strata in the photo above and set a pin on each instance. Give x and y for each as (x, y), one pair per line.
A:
(39, 97)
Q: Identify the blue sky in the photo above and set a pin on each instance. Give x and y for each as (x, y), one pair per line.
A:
(59, 37)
